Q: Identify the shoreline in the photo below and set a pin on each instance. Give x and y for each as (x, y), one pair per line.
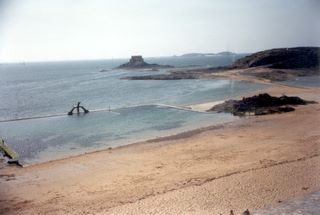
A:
(197, 107)
(169, 137)
(146, 176)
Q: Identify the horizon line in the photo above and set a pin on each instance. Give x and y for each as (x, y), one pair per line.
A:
(124, 58)
(111, 58)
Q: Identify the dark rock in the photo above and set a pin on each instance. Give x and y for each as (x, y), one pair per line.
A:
(282, 58)
(171, 76)
(261, 104)
(179, 74)
(246, 212)
(15, 162)
(137, 62)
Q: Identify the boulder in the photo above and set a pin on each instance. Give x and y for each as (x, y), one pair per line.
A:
(261, 104)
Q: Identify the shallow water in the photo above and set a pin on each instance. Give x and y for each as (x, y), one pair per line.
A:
(37, 92)
(51, 89)
(39, 140)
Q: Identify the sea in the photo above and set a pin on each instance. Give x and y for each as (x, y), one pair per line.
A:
(35, 99)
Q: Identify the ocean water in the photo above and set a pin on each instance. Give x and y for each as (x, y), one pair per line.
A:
(122, 111)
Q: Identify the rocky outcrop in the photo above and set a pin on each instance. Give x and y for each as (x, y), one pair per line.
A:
(171, 76)
(137, 62)
(174, 75)
(261, 104)
(282, 58)
(178, 74)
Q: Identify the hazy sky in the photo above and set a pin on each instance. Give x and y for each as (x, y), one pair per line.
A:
(35, 30)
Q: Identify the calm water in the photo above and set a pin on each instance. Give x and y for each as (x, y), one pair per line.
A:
(51, 89)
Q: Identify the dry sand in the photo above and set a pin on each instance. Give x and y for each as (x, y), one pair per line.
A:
(251, 163)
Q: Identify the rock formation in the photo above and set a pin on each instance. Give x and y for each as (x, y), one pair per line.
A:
(137, 62)
(261, 104)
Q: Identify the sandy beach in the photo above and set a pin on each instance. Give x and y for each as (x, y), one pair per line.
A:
(160, 107)
(251, 163)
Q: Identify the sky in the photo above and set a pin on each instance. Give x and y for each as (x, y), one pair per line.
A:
(50, 30)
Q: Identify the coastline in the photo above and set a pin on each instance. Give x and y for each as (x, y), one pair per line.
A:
(131, 179)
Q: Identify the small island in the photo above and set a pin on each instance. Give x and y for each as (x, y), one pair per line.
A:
(137, 62)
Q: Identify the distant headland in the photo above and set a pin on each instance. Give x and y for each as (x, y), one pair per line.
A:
(137, 62)
(225, 53)
(282, 58)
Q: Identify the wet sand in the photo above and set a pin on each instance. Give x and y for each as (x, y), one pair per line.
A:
(250, 163)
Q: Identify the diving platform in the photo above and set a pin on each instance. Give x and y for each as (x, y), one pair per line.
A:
(77, 108)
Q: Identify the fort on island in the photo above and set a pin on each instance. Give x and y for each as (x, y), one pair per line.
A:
(137, 59)
(137, 62)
